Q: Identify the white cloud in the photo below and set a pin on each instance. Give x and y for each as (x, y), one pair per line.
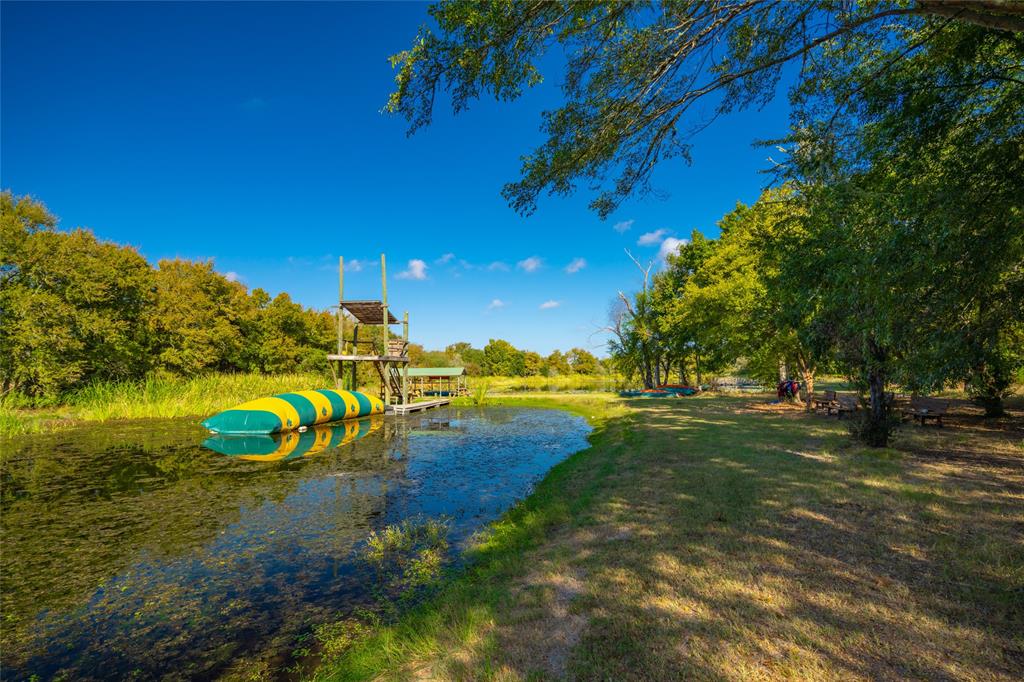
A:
(355, 265)
(495, 304)
(669, 246)
(232, 276)
(445, 259)
(623, 226)
(548, 305)
(531, 264)
(498, 265)
(576, 265)
(417, 269)
(651, 238)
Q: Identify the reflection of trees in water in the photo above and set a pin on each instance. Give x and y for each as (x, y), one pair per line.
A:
(107, 527)
(136, 552)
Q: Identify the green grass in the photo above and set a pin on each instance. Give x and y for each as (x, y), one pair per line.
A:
(561, 384)
(159, 396)
(18, 422)
(722, 537)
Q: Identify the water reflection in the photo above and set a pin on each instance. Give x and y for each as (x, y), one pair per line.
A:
(129, 549)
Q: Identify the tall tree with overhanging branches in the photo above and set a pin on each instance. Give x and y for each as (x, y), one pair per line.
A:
(638, 75)
(887, 94)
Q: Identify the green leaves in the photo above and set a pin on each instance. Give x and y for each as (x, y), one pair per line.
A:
(77, 310)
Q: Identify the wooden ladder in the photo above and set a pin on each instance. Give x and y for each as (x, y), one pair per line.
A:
(393, 378)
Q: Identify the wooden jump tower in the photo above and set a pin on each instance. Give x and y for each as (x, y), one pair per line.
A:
(390, 357)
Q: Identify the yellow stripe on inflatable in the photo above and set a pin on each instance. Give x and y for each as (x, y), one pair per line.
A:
(323, 439)
(288, 415)
(320, 403)
(351, 404)
(351, 432)
(378, 405)
(289, 441)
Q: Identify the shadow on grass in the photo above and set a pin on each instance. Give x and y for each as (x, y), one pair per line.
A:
(703, 539)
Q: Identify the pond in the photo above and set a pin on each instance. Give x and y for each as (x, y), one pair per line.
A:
(130, 550)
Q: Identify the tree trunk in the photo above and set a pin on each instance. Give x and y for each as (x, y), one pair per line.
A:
(876, 433)
(783, 371)
(696, 356)
(646, 358)
(993, 405)
(683, 379)
(807, 379)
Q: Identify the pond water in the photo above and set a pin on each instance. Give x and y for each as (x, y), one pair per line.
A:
(130, 550)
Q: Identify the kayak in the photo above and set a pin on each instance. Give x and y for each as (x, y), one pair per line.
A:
(648, 393)
(680, 389)
(289, 411)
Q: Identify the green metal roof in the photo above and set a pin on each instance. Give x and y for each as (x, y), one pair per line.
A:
(436, 371)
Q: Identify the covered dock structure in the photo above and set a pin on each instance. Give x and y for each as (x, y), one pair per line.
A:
(447, 382)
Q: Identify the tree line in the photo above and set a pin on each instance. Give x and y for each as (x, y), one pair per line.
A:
(501, 358)
(891, 245)
(75, 309)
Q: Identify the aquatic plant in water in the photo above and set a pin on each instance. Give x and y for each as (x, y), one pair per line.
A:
(480, 393)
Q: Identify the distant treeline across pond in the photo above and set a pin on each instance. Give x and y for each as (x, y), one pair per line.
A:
(77, 310)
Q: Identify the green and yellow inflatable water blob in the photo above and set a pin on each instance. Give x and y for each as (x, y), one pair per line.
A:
(289, 411)
(289, 445)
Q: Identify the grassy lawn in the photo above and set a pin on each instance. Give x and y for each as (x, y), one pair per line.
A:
(726, 538)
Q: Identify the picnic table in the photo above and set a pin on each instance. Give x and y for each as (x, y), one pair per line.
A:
(922, 408)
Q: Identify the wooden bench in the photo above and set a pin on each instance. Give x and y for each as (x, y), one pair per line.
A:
(827, 401)
(845, 403)
(922, 409)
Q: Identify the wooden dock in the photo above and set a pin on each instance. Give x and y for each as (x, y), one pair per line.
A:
(416, 407)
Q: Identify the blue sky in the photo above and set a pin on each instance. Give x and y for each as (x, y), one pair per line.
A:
(252, 134)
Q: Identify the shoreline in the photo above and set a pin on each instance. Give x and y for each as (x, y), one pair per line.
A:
(686, 505)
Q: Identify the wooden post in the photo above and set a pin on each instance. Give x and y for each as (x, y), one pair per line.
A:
(405, 365)
(341, 297)
(355, 344)
(384, 323)
(341, 322)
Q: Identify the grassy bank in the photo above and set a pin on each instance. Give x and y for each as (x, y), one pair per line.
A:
(558, 384)
(169, 396)
(155, 397)
(726, 538)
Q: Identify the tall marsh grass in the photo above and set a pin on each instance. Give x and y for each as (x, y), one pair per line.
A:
(15, 422)
(156, 396)
(167, 396)
(558, 384)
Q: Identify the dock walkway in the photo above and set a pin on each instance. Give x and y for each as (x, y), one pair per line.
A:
(416, 407)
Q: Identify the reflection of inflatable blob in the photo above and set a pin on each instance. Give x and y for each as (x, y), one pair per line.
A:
(293, 444)
(288, 411)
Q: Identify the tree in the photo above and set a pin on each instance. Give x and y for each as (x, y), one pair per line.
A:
(199, 318)
(582, 361)
(533, 364)
(905, 157)
(463, 354)
(636, 74)
(74, 308)
(556, 364)
(502, 359)
(914, 209)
